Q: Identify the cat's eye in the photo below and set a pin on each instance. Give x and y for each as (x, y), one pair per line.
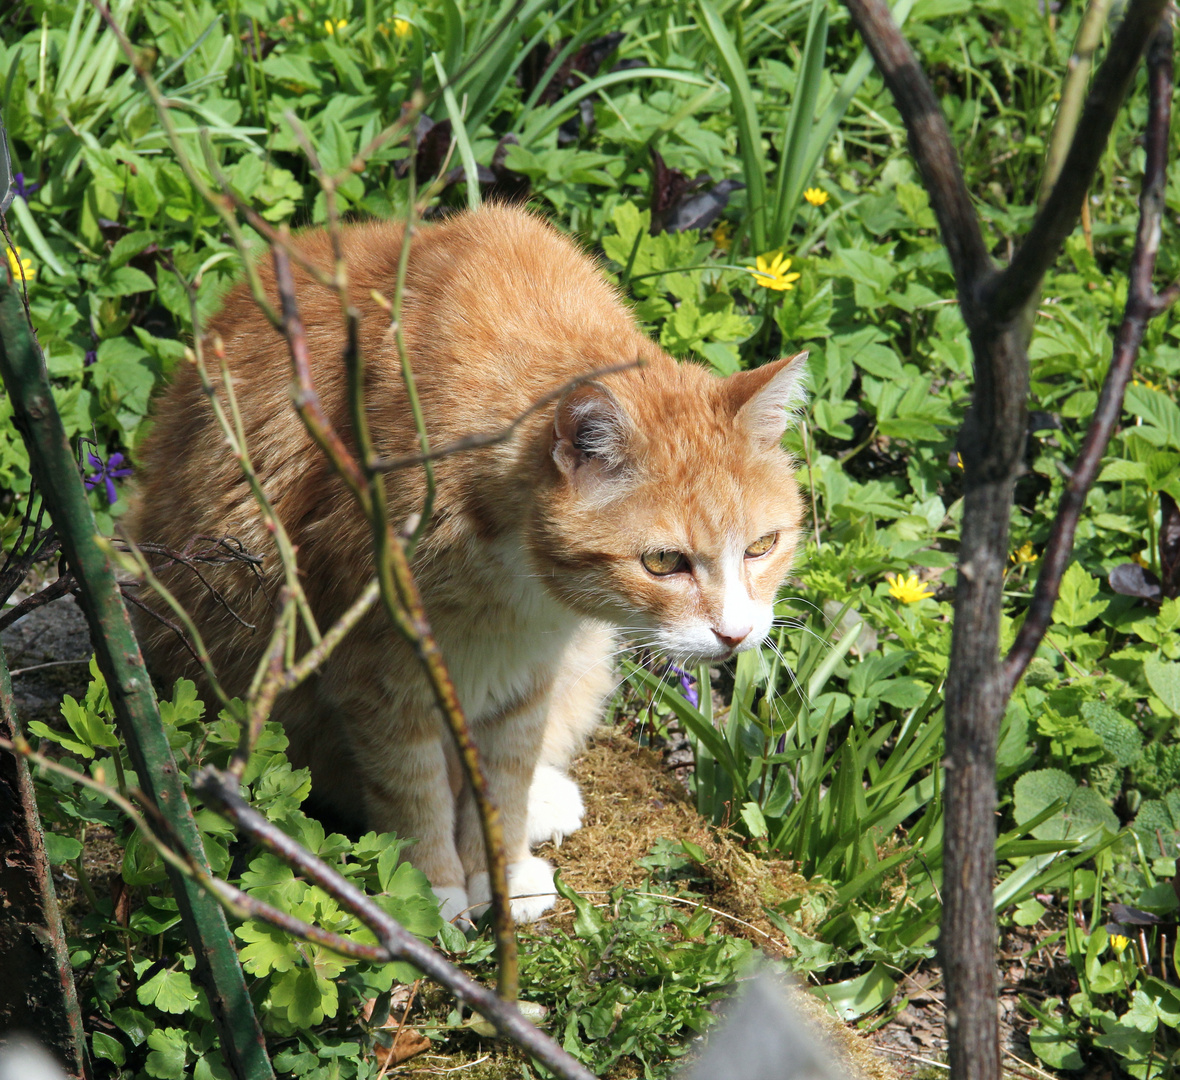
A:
(761, 546)
(662, 563)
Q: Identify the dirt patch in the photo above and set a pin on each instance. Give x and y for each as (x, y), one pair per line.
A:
(632, 802)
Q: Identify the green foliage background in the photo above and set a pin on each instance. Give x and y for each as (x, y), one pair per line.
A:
(833, 763)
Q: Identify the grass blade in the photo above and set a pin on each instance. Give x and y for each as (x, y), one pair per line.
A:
(733, 69)
(466, 155)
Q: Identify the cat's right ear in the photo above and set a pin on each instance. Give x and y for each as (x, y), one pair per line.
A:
(591, 435)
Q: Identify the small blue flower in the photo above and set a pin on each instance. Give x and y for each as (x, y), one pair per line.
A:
(106, 473)
(91, 357)
(687, 686)
(22, 189)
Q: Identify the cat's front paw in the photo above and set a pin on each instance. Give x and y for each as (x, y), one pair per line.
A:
(453, 904)
(530, 890)
(555, 806)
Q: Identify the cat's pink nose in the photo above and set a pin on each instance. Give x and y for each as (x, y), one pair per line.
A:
(730, 638)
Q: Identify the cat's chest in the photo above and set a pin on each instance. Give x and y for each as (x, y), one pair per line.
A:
(502, 633)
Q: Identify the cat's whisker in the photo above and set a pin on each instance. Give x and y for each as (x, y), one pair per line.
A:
(803, 697)
(793, 625)
(809, 603)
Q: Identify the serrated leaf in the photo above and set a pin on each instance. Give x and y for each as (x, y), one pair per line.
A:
(1122, 739)
(307, 998)
(169, 1053)
(1076, 605)
(268, 948)
(1083, 817)
(169, 991)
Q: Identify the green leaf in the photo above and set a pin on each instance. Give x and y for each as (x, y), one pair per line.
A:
(755, 822)
(108, 1048)
(1076, 605)
(1083, 817)
(268, 948)
(1164, 679)
(306, 996)
(169, 991)
(854, 998)
(124, 281)
(61, 849)
(1055, 1048)
(168, 1055)
(1121, 738)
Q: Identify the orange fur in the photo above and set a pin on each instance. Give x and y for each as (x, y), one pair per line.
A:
(534, 551)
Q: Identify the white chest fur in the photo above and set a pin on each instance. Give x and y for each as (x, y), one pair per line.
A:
(509, 636)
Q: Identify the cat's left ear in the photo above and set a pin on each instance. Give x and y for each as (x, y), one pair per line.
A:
(592, 434)
(766, 397)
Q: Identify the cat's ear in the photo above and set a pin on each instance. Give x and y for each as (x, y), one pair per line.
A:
(591, 435)
(766, 397)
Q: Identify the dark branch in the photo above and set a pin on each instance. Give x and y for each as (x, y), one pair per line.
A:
(307, 401)
(221, 792)
(493, 438)
(1143, 303)
(931, 145)
(1021, 279)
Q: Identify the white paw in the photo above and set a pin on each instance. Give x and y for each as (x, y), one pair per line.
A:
(452, 903)
(530, 889)
(555, 806)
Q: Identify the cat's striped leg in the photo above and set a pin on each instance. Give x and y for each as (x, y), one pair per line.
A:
(404, 776)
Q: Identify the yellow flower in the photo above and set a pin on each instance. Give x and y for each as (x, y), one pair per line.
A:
(816, 196)
(908, 590)
(1024, 554)
(773, 274)
(722, 238)
(403, 28)
(331, 26)
(17, 263)
(1147, 383)
(1119, 942)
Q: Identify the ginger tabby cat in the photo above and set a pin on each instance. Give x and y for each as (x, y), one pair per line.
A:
(654, 502)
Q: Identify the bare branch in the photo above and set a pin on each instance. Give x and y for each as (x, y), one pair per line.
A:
(1143, 303)
(1021, 279)
(306, 399)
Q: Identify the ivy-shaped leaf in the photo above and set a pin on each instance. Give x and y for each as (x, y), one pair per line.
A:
(169, 991)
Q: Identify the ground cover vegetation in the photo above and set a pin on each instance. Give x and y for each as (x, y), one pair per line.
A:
(744, 176)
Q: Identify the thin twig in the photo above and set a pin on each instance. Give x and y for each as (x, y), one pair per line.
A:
(478, 442)
(1143, 303)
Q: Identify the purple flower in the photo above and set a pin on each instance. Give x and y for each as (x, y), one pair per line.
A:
(22, 189)
(91, 357)
(106, 472)
(687, 686)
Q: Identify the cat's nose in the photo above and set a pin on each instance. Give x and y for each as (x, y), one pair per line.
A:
(731, 638)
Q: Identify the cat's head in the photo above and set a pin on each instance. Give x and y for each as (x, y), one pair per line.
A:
(673, 512)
